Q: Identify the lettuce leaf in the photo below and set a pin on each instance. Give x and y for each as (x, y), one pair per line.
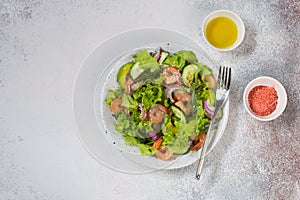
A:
(181, 143)
(131, 141)
(176, 60)
(168, 138)
(129, 103)
(148, 95)
(113, 94)
(128, 126)
(122, 123)
(203, 122)
(145, 149)
(146, 61)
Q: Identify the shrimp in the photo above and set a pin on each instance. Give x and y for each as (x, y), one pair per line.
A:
(163, 108)
(198, 142)
(128, 84)
(164, 154)
(156, 115)
(137, 85)
(183, 96)
(115, 105)
(172, 75)
(186, 110)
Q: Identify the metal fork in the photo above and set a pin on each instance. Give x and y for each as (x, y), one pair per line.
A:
(222, 92)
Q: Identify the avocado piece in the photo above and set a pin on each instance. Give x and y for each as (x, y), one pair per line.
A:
(122, 73)
(211, 80)
(187, 55)
(188, 74)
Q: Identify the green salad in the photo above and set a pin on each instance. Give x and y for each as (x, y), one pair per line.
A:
(163, 103)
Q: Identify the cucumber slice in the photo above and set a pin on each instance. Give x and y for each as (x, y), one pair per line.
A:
(136, 71)
(178, 113)
(188, 74)
(122, 73)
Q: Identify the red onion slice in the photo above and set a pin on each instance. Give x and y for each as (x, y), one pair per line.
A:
(153, 135)
(170, 89)
(209, 109)
(158, 54)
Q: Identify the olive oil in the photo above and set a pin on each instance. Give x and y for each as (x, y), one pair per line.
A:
(221, 32)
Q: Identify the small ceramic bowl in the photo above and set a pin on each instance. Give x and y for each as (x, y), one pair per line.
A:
(235, 18)
(281, 93)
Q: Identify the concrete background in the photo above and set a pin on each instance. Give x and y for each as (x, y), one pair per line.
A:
(43, 43)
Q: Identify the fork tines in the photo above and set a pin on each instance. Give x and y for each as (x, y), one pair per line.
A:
(224, 77)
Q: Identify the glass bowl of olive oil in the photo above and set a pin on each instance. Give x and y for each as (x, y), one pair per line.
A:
(223, 30)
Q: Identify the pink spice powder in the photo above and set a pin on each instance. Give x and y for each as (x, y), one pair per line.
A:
(263, 100)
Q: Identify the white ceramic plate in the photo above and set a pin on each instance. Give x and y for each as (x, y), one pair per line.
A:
(88, 98)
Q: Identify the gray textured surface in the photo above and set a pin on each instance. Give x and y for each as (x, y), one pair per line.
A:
(42, 44)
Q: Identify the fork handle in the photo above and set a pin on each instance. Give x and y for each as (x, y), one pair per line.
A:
(204, 147)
